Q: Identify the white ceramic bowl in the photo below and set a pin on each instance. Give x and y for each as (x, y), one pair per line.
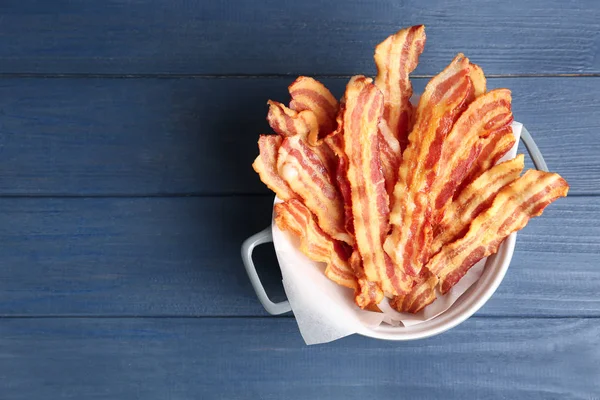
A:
(470, 302)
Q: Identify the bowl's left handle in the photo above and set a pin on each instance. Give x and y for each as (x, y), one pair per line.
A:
(248, 246)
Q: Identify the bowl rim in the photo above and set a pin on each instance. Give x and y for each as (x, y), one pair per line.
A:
(464, 307)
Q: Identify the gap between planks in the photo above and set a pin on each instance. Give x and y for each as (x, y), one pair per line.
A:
(33, 75)
(133, 316)
(170, 195)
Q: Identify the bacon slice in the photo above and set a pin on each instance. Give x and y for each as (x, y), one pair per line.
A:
(493, 149)
(305, 124)
(444, 98)
(396, 57)
(312, 112)
(309, 175)
(510, 211)
(475, 198)
(422, 294)
(310, 94)
(266, 166)
(488, 113)
(478, 79)
(369, 294)
(335, 141)
(288, 122)
(390, 155)
(295, 217)
(363, 109)
(308, 170)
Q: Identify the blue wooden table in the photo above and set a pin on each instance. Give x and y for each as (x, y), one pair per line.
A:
(127, 130)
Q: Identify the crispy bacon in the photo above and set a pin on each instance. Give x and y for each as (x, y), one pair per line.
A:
(475, 198)
(493, 149)
(335, 141)
(288, 122)
(390, 155)
(478, 79)
(444, 98)
(374, 187)
(305, 124)
(422, 294)
(511, 209)
(295, 217)
(309, 175)
(308, 170)
(369, 294)
(396, 57)
(310, 94)
(488, 113)
(266, 166)
(363, 109)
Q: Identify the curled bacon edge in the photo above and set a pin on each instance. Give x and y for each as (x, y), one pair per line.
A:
(295, 217)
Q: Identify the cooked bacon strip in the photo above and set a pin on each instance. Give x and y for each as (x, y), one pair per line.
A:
(511, 209)
(363, 109)
(288, 122)
(444, 98)
(369, 294)
(478, 79)
(396, 57)
(390, 155)
(335, 141)
(475, 198)
(266, 166)
(308, 170)
(487, 114)
(310, 176)
(422, 294)
(295, 217)
(346, 192)
(493, 149)
(310, 94)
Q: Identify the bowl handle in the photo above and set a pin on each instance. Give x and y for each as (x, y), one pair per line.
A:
(264, 236)
(532, 149)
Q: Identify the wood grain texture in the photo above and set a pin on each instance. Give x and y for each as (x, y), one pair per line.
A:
(292, 37)
(177, 136)
(180, 257)
(266, 359)
(114, 284)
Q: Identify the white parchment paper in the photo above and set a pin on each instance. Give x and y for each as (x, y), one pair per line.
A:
(326, 311)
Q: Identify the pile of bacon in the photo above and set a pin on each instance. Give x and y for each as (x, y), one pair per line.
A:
(400, 201)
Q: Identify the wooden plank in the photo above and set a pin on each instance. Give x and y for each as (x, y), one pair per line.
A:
(180, 257)
(142, 256)
(266, 359)
(292, 37)
(165, 136)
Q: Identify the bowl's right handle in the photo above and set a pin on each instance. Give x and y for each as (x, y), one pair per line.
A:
(534, 152)
(264, 236)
